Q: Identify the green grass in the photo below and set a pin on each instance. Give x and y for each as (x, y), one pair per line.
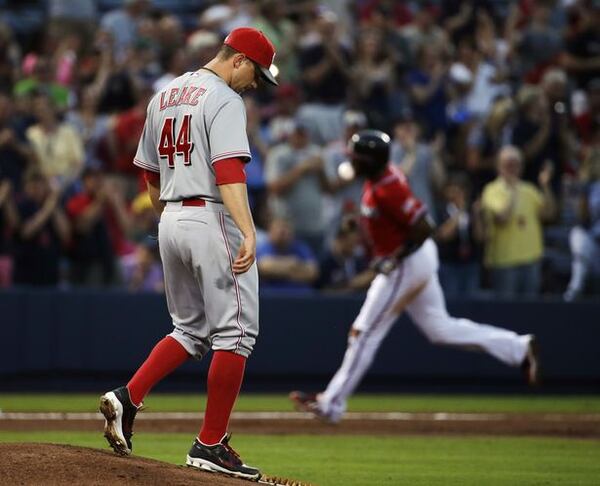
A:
(354, 461)
(10, 402)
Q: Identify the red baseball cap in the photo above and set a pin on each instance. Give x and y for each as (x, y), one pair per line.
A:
(255, 46)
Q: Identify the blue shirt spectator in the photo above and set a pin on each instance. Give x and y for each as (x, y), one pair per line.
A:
(428, 91)
(285, 262)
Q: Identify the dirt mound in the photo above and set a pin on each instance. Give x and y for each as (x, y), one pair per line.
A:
(60, 465)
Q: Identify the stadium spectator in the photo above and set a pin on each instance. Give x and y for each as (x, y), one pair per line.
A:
(257, 138)
(43, 232)
(537, 132)
(459, 237)
(169, 34)
(41, 80)
(99, 220)
(372, 79)
(15, 153)
(515, 210)
(119, 92)
(92, 127)
(581, 57)
(344, 266)
(537, 45)
(296, 181)
(57, 147)
(494, 48)
(201, 47)
(584, 239)
(67, 17)
(10, 57)
(459, 17)
(122, 25)
(420, 162)
(285, 262)
(487, 80)
(271, 19)
(472, 73)
(427, 87)
(345, 196)
(324, 63)
(382, 18)
(144, 221)
(123, 140)
(8, 224)
(587, 119)
(424, 30)
(485, 139)
(173, 64)
(286, 103)
(458, 112)
(142, 270)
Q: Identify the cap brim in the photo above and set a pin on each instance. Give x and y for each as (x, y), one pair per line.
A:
(268, 76)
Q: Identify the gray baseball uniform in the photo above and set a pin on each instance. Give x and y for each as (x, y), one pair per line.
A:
(195, 121)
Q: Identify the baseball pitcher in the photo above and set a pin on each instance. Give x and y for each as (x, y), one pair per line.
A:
(193, 150)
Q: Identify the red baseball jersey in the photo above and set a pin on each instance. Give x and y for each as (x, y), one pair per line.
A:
(388, 208)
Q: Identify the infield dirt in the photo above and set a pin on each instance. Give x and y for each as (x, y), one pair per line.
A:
(35, 464)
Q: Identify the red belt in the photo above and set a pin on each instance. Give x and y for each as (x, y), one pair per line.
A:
(194, 201)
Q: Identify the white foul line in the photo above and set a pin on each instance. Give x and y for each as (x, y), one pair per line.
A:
(291, 416)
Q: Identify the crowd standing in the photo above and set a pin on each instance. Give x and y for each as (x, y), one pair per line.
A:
(493, 108)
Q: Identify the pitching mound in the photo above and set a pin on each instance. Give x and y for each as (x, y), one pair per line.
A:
(51, 464)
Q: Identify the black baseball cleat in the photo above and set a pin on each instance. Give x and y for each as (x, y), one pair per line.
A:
(220, 458)
(531, 363)
(119, 413)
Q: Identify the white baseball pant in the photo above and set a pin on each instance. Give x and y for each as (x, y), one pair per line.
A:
(428, 312)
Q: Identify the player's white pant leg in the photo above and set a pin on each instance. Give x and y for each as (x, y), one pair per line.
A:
(373, 323)
(428, 312)
(583, 251)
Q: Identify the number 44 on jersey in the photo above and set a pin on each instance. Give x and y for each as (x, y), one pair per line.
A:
(169, 146)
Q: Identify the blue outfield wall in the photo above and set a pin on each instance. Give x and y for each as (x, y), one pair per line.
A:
(93, 332)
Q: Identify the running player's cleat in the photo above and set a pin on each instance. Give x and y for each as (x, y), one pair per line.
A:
(119, 413)
(307, 402)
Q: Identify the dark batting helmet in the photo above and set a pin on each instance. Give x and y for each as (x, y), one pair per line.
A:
(369, 152)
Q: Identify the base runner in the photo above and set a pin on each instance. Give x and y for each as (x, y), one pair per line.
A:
(406, 263)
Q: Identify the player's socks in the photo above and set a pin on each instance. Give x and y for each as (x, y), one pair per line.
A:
(166, 356)
(224, 381)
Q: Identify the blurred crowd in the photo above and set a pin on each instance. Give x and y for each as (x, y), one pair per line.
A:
(492, 106)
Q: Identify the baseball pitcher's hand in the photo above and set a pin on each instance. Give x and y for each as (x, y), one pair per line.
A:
(246, 255)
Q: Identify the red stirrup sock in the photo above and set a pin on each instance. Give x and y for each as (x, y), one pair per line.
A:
(166, 356)
(224, 381)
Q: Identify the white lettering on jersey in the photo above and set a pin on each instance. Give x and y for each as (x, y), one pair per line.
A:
(189, 96)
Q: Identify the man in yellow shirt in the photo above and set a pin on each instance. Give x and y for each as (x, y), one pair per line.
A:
(57, 146)
(514, 212)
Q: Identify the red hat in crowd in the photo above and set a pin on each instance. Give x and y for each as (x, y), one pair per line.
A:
(255, 46)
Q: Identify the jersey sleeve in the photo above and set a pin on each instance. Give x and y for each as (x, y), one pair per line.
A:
(227, 132)
(146, 156)
(397, 201)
